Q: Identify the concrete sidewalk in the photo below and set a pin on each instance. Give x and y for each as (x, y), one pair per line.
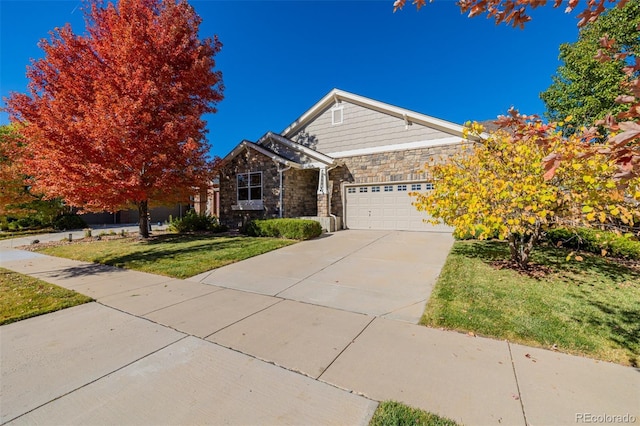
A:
(155, 350)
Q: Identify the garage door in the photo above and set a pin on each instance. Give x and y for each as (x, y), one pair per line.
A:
(387, 207)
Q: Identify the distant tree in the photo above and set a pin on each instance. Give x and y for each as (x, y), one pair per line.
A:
(499, 188)
(584, 87)
(16, 196)
(13, 185)
(113, 117)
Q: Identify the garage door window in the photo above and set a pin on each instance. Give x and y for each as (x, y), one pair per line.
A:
(428, 186)
(388, 188)
(416, 187)
(402, 187)
(375, 189)
(363, 189)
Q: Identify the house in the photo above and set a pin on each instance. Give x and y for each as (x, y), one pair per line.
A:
(348, 162)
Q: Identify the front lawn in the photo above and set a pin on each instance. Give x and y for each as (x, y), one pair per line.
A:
(25, 297)
(589, 308)
(173, 255)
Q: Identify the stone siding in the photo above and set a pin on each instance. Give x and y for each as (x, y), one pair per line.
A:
(246, 162)
(300, 188)
(396, 166)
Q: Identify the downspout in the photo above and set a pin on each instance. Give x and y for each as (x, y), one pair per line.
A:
(343, 190)
(280, 171)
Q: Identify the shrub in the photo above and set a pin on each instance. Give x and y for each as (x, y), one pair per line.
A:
(192, 222)
(596, 241)
(29, 222)
(466, 235)
(69, 221)
(296, 229)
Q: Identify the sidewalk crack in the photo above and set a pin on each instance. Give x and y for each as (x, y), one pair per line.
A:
(345, 348)
(515, 375)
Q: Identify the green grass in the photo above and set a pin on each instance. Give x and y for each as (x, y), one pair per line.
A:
(173, 255)
(24, 297)
(589, 308)
(391, 413)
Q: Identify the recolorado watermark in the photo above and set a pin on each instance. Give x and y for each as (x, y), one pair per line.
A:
(605, 418)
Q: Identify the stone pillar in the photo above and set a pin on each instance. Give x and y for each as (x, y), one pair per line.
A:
(323, 205)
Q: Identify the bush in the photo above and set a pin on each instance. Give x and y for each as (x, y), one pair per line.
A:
(296, 229)
(466, 235)
(69, 221)
(596, 241)
(29, 222)
(192, 222)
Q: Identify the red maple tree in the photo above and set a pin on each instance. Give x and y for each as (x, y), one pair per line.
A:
(113, 118)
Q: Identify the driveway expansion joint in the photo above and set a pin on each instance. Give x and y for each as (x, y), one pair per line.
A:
(515, 376)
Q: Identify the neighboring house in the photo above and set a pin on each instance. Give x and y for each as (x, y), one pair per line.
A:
(349, 161)
(156, 214)
(206, 200)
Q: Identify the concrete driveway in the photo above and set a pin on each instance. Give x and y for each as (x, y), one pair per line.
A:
(381, 273)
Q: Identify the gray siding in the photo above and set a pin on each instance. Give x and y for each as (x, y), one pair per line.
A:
(361, 128)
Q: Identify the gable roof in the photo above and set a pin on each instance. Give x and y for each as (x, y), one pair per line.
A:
(336, 95)
(245, 144)
(298, 156)
(313, 154)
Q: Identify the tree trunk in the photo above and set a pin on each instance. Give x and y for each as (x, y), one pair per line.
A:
(143, 215)
(520, 246)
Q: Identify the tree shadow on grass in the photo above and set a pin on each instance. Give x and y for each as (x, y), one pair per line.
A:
(225, 249)
(553, 258)
(621, 323)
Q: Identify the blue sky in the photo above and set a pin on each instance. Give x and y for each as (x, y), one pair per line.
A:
(281, 57)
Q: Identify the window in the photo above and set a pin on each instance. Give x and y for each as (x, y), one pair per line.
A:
(363, 189)
(402, 187)
(337, 114)
(250, 186)
(351, 190)
(428, 186)
(375, 189)
(416, 187)
(388, 188)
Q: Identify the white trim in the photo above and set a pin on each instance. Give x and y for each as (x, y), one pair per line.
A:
(246, 144)
(387, 183)
(298, 147)
(453, 140)
(248, 205)
(405, 114)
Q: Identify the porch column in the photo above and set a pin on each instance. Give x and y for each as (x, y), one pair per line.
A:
(323, 193)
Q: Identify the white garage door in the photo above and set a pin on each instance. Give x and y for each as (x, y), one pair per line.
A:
(387, 207)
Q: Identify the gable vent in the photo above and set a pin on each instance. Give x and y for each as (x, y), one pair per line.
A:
(337, 114)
